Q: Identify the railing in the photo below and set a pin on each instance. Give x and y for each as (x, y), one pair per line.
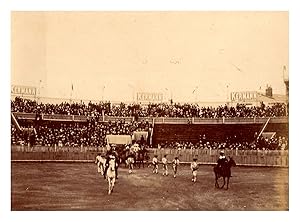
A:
(172, 120)
(208, 120)
(116, 118)
(264, 127)
(15, 121)
(158, 120)
(58, 117)
(276, 158)
(30, 116)
(284, 119)
(149, 119)
(238, 120)
(81, 118)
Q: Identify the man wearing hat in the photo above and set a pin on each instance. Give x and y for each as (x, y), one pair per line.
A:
(222, 159)
(109, 155)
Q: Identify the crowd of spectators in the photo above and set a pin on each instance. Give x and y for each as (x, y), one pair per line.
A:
(77, 134)
(261, 143)
(93, 132)
(150, 110)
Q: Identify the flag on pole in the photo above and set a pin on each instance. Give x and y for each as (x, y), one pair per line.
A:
(284, 73)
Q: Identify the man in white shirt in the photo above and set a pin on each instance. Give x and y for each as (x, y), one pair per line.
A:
(165, 165)
(194, 168)
(175, 163)
(155, 164)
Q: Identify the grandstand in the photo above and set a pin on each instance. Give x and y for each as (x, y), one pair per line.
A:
(87, 125)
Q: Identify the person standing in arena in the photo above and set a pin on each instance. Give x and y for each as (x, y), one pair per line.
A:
(194, 168)
(130, 162)
(155, 164)
(97, 161)
(100, 161)
(165, 165)
(175, 163)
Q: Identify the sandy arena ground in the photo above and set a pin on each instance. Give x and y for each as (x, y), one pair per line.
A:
(78, 186)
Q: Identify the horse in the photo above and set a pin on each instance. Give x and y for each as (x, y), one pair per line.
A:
(224, 171)
(111, 174)
(123, 158)
(141, 157)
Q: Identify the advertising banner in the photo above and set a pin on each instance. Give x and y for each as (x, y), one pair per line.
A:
(247, 96)
(23, 90)
(149, 97)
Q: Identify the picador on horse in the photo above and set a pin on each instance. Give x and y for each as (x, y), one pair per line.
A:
(222, 161)
(223, 169)
(110, 153)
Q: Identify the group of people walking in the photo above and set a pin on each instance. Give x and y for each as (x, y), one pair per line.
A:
(103, 160)
(175, 164)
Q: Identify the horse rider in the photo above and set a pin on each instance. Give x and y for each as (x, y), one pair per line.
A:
(222, 160)
(109, 154)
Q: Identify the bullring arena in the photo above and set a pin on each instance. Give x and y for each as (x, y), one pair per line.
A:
(121, 93)
(59, 175)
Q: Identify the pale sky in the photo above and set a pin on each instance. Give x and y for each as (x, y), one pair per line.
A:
(149, 52)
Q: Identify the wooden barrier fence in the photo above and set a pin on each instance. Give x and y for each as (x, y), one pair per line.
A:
(278, 158)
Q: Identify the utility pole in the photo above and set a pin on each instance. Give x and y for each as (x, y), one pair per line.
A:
(286, 82)
(103, 88)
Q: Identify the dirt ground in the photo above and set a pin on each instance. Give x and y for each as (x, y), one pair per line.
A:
(78, 186)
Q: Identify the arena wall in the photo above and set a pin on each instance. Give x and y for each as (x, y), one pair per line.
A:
(88, 154)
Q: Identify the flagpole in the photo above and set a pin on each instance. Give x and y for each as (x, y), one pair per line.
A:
(103, 93)
(39, 95)
(227, 92)
(195, 95)
(71, 97)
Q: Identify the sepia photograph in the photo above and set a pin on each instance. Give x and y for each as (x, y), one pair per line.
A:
(149, 110)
